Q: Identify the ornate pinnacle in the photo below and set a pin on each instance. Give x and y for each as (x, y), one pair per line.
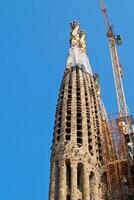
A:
(82, 41)
(74, 41)
(77, 36)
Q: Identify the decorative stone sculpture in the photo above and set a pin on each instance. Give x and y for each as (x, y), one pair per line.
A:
(83, 41)
(74, 40)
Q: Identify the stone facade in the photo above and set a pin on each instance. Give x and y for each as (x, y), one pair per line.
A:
(76, 160)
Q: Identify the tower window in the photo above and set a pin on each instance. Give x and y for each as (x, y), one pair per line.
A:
(58, 131)
(79, 141)
(79, 127)
(79, 114)
(68, 173)
(68, 137)
(68, 124)
(78, 93)
(59, 118)
(80, 170)
(58, 138)
(78, 99)
(79, 120)
(68, 112)
(68, 118)
(68, 197)
(68, 130)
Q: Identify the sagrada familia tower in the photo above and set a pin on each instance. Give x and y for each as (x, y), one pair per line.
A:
(77, 160)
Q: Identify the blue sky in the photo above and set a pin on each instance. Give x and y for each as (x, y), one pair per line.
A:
(34, 40)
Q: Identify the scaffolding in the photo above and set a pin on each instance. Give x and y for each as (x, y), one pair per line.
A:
(117, 159)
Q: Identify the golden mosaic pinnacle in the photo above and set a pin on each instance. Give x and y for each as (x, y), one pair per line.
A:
(78, 37)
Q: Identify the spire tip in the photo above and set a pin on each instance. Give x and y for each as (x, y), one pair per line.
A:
(78, 37)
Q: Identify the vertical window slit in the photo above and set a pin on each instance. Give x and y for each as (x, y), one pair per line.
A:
(80, 170)
(68, 173)
(68, 197)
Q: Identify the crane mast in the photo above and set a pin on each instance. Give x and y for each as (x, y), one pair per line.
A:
(117, 70)
(118, 131)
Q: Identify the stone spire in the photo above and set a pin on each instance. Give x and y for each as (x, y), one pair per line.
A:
(77, 55)
(76, 159)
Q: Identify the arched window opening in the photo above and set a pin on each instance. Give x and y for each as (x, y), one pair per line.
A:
(68, 130)
(79, 114)
(58, 137)
(100, 151)
(68, 173)
(68, 112)
(58, 131)
(87, 104)
(89, 133)
(68, 124)
(68, 137)
(59, 118)
(69, 91)
(79, 120)
(79, 127)
(79, 141)
(88, 121)
(90, 148)
(68, 118)
(78, 93)
(59, 125)
(69, 96)
(89, 140)
(79, 138)
(69, 105)
(60, 112)
(99, 144)
(80, 171)
(68, 197)
(100, 158)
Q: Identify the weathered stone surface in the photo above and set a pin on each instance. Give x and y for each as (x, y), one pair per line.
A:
(77, 140)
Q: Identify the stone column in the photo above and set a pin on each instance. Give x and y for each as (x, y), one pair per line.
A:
(74, 181)
(62, 182)
(52, 182)
(85, 185)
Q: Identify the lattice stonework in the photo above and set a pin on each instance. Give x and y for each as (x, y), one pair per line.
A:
(76, 163)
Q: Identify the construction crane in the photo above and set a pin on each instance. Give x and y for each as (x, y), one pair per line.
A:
(115, 40)
(124, 121)
(124, 149)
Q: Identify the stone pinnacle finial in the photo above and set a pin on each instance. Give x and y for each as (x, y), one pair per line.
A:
(74, 40)
(77, 36)
(82, 44)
